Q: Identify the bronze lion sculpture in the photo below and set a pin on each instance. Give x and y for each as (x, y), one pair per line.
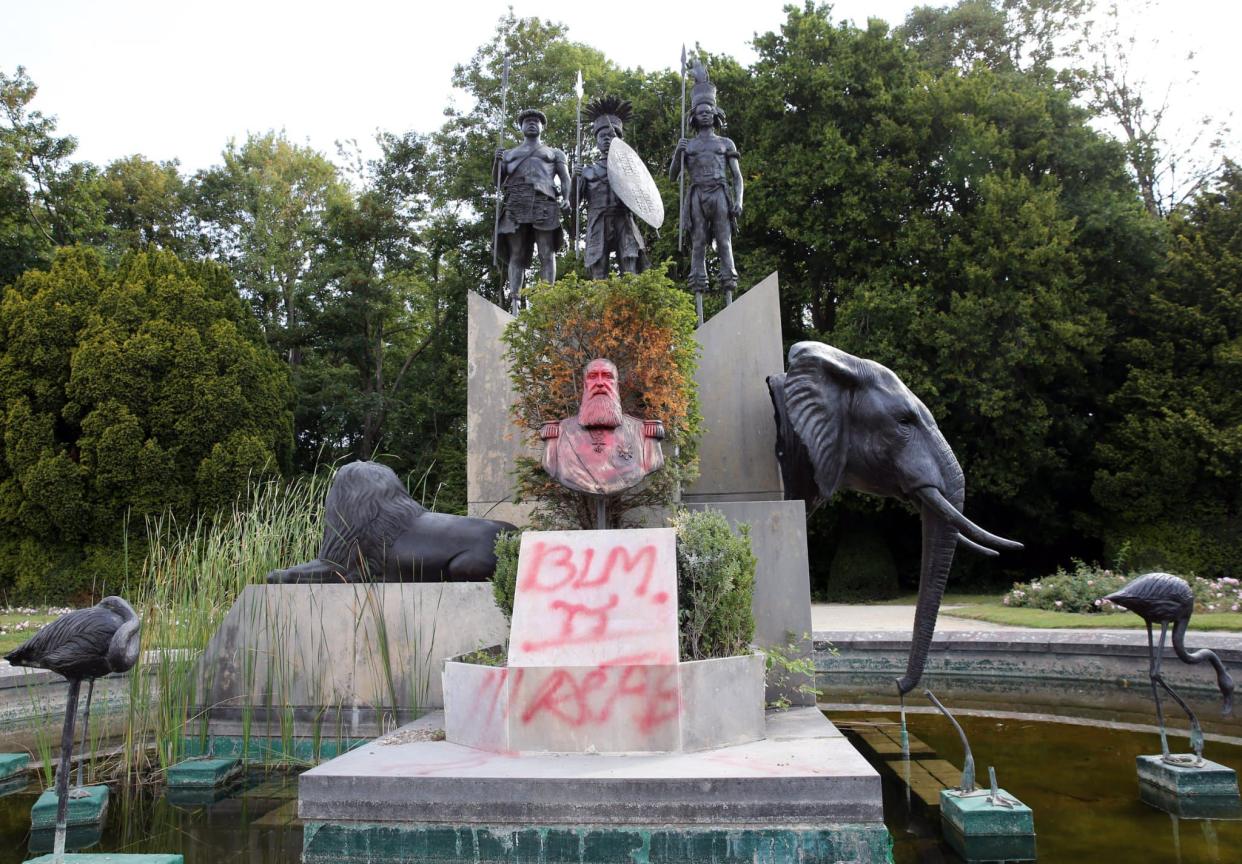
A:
(374, 531)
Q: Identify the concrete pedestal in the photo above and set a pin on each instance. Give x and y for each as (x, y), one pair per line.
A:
(980, 830)
(407, 795)
(13, 765)
(1188, 781)
(87, 810)
(202, 773)
(341, 661)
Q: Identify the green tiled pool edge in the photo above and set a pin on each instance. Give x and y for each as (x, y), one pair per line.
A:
(375, 842)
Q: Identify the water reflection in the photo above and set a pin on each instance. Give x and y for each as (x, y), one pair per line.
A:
(255, 823)
(1081, 783)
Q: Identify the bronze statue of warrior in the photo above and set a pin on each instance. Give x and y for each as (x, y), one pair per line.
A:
(528, 176)
(611, 229)
(712, 206)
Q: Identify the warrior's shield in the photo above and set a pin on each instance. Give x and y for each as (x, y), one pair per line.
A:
(632, 183)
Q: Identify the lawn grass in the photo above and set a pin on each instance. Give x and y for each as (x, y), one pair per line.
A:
(10, 639)
(1044, 618)
(988, 607)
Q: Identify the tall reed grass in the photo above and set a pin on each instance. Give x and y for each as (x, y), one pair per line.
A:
(191, 576)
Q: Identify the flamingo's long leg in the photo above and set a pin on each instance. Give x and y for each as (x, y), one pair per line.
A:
(62, 775)
(86, 729)
(1154, 673)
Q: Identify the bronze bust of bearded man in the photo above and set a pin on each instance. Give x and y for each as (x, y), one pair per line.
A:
(601, 451)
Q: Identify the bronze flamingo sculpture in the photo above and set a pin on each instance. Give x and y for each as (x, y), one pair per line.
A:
(1166, 599)
(84, 644)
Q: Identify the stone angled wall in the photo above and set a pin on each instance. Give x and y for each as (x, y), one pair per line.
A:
(493, 442)
(741, 346)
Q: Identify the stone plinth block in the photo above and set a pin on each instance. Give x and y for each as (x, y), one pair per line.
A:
(595, 598)
(593, 658)
(13, 764)
(741, 346)
(201, 773)
(605, 709)
(1185, 781)
(493, 442)
(342, 656)
(979, 829)
(85, 810)
(782, 601)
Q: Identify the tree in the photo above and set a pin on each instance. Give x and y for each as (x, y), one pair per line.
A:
(125, 391)
(1004, 35)
(146, 204)
(1169, 164)
(262, 214)
(46, 201)
(1170, 475)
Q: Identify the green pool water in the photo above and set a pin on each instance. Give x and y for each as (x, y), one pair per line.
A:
(1079, 779)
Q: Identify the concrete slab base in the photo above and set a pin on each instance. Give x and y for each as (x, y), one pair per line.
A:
(1191, 807)
(86, 810)
(112, 858)
(380, 843)
(1185, 781)
(805, 773)
(202, 773)
(979, 830)
(13, 764)
(77, 838)
(193, 797)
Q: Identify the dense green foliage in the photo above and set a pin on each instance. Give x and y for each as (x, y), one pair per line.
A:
(504, 580)
(125, 391)
(715, 585)
(936, 197)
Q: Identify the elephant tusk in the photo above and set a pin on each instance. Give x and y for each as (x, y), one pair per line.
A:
(936, 500)
(967, 543)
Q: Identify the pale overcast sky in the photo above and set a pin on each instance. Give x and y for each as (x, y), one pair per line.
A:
(178, 79)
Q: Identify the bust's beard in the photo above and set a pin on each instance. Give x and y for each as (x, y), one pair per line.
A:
(601, 410)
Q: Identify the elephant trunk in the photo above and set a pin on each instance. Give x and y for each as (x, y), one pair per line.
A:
(940, 538)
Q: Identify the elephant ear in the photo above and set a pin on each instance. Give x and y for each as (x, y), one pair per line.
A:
(797, 472)
(817, 391)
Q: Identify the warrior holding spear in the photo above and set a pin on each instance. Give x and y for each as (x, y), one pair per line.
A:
(534, 179)
(712, 207)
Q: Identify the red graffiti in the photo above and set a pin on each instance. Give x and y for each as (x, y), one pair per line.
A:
(552, 568)
(583, 699)
(596, 616)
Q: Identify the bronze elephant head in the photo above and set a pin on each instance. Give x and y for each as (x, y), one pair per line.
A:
(844, 422)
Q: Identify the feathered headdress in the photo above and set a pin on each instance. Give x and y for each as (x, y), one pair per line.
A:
(609, 110)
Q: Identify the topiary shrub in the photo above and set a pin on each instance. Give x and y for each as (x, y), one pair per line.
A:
(504, 580)
(715, 585)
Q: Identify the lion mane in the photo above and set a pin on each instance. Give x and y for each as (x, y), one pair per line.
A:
(366, 511)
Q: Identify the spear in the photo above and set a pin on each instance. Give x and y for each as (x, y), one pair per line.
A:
(500, 140)
(577, 160)
(681, 175)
